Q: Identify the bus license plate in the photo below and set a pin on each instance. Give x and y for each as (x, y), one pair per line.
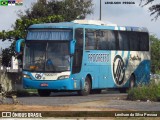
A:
(44, 85)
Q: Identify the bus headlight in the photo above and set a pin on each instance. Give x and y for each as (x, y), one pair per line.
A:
(26, 76)
(63, 77)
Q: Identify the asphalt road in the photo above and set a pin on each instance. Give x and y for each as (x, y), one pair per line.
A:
(67, 98)
(106, 100)
(60, 99)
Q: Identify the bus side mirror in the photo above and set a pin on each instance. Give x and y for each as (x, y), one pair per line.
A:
(18, 45)
(72, 47)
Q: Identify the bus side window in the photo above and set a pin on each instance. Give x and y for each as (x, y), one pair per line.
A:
(134, 41)
(102, 43)
(144, 42)
(112, 40)
(107, 41)
(90, 39)
(123, 40)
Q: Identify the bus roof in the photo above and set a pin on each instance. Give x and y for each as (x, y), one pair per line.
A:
(87, 24)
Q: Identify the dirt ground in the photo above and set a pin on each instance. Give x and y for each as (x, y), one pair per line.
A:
(97, 105)
(86, 106)
(49, 108)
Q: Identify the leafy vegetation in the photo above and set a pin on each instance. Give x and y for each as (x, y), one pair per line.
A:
(21, 26)
(154, 9)
(155, 54)
(145, 92)
(151, 91)
(68, 9)
(26, 92)
(22, 93)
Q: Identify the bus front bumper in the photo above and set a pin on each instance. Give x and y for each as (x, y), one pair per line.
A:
(65, 84)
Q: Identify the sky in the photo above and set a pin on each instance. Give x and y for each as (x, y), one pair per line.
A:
(120, 14)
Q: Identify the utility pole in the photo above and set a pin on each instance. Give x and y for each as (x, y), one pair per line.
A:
(100, 10)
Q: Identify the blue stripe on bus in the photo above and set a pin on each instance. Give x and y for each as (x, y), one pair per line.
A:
(142, 72)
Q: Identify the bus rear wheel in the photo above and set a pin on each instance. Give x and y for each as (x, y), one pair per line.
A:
(87, 87)
(44, 93)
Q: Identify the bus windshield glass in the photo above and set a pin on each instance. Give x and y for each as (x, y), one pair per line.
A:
(47, 56)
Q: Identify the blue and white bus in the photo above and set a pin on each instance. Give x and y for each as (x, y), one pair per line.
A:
(84, 56)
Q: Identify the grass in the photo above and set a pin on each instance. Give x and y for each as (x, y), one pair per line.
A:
(31, 90)
(26, 92)
(145, 92)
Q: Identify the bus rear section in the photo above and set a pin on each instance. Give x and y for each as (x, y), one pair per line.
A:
(116, 58)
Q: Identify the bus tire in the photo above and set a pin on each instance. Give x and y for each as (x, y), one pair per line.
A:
(44, 93)
(87, 87)
(132, 81)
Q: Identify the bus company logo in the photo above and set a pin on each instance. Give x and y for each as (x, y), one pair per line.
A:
(39, 75)
(118, 70)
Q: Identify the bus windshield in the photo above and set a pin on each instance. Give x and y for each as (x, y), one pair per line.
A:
(47, 56)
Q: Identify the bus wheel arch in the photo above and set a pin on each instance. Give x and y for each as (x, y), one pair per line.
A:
(87, 86)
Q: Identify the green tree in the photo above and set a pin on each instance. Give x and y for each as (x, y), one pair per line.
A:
(155, 53)
(47, 12)
(154, 9)
(7, 54)
(68, 9)
(21, 26)
(20, 30)
(43, 12)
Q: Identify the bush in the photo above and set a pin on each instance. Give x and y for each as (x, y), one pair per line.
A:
(145, 92)
(22, 93)
(26, 92)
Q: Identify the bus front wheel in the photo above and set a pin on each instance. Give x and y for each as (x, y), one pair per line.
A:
(44, 93)
(87, 87)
